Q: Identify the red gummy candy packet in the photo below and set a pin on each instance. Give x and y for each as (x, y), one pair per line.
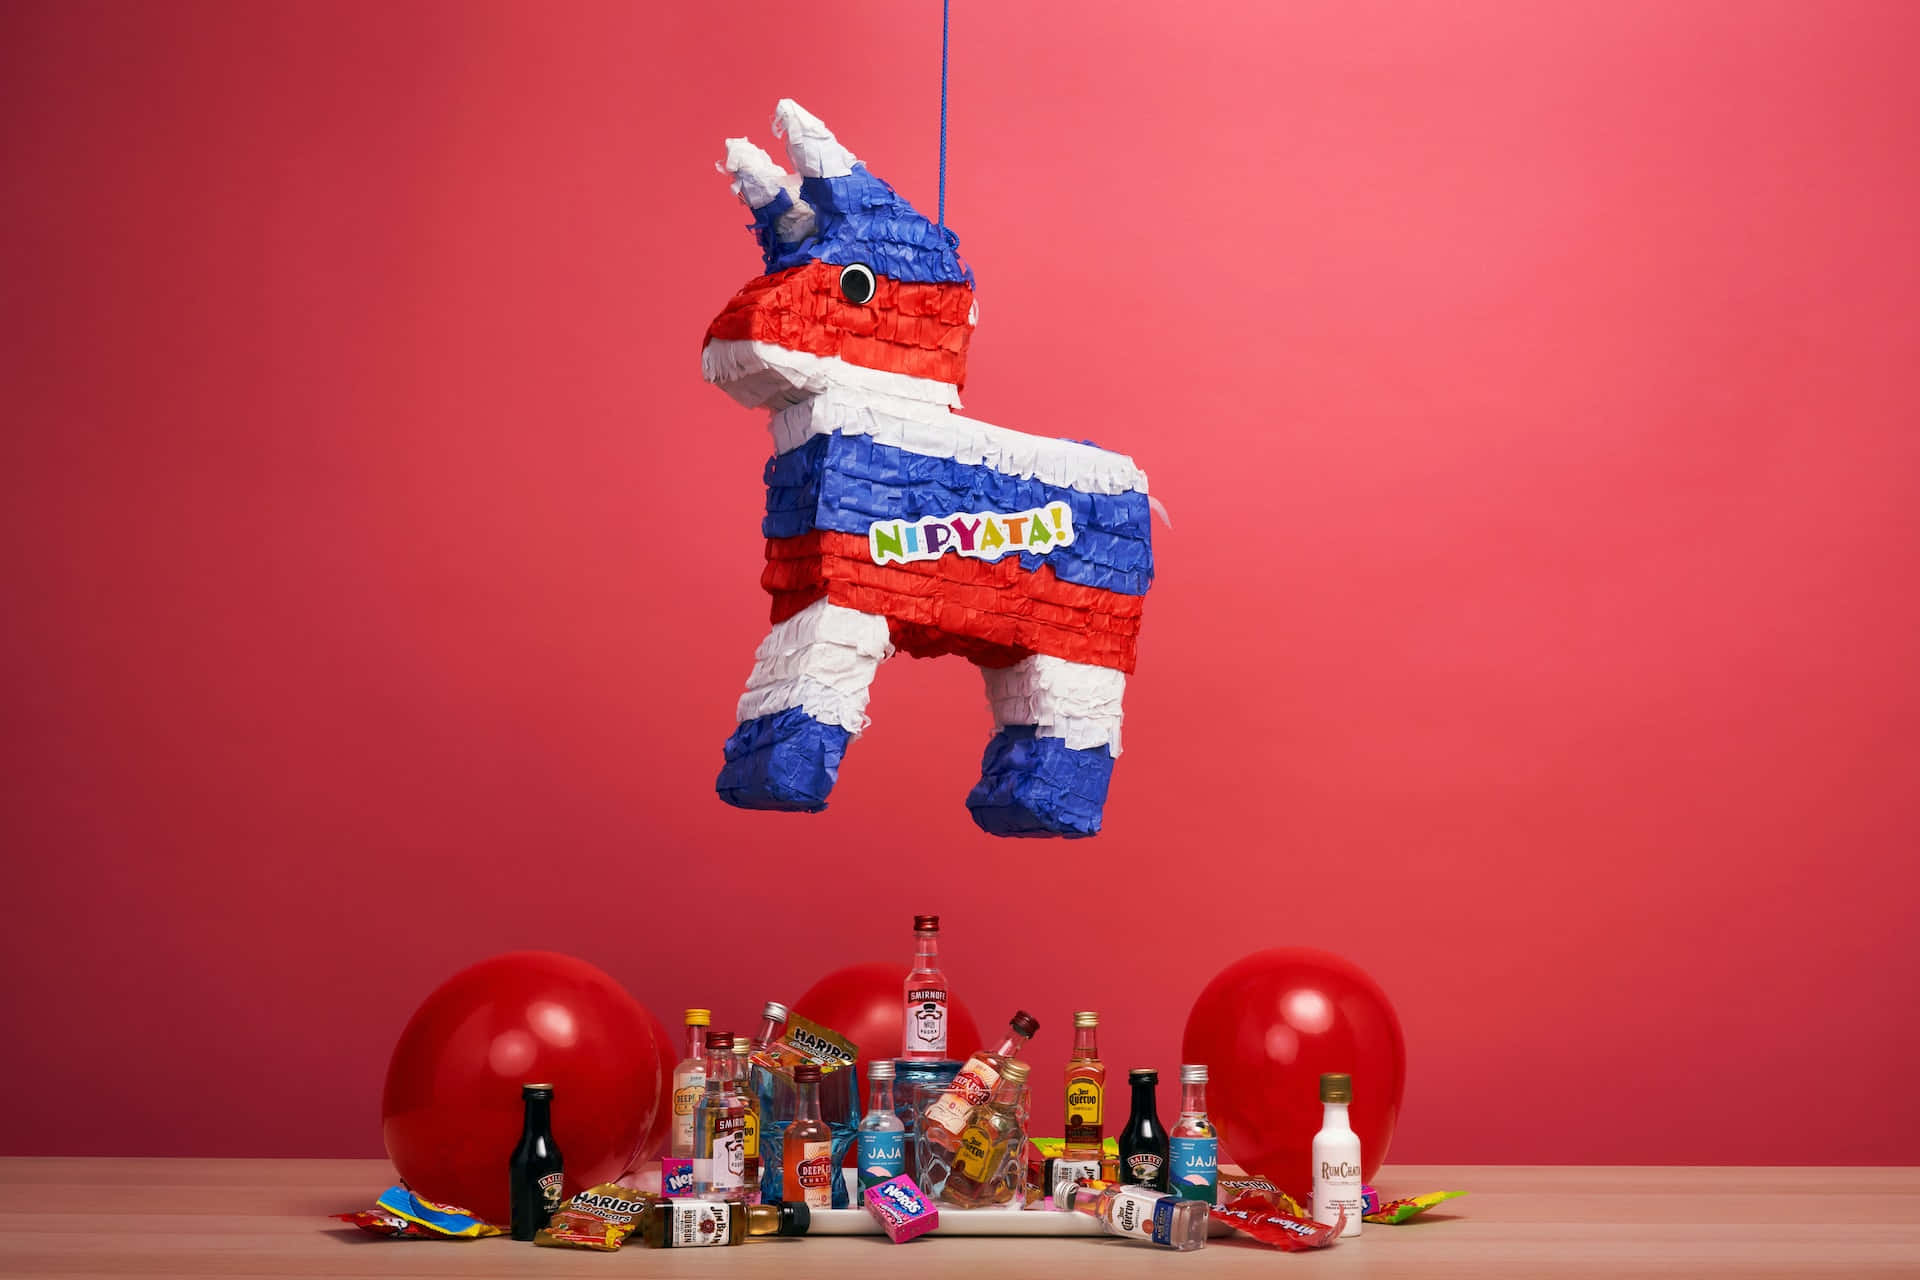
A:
(389, 1225)
(1255, 1215)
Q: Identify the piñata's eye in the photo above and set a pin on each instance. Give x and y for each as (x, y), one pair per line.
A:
(857, 284)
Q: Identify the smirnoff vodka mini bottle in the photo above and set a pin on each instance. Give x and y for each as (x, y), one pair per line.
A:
(1336, 1157)
(742, 1083)
(719, 1130)
(882, 1137)
(926, 1031)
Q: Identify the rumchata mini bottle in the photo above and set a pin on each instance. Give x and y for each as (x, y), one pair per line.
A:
(1195, 1146)
(925, 1037)
(1143, 1143)
(535, 1167)
(1336, 1157)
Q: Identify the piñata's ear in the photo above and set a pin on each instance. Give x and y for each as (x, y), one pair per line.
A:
(811, 147)
(761, 185)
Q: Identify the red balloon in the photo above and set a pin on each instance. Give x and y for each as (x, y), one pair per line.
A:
(1267, 1027)
(660, 1119)
(867, 1003)
(451, 1112)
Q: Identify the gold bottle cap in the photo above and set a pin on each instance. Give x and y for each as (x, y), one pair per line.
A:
(741, 1048)
(1087, 1018)
(1017, 1071)
(699, 1017)
(1336, 1086)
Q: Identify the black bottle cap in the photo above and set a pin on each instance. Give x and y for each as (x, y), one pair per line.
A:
(1144, 1075)
(795, 1218)
(1025, 1023)
(536, 1091)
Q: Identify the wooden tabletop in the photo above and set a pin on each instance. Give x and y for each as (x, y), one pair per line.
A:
(245, 1218)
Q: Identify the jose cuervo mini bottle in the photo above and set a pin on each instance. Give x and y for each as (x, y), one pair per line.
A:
(1086, 1090)
(1336, 1157)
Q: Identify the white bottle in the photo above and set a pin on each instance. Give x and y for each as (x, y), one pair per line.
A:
(1336, 1157)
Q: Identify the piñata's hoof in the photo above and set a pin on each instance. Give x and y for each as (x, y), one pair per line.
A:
(1033, 786)
(787, 760)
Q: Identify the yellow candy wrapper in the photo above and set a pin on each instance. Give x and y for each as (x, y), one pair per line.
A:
(1394, 1212)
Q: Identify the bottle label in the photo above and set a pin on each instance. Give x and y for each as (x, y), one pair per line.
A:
(927, 1021)
(550, 1191)
(1336, 1186)
(720, 1160)
(698, 1222)
(814, 1172)
(1144, 1167)
(883, 1155)
(1193, 1164)
(686, 1100)
(1083, 1112)
(973, 1086)
(1137, 1211)
(975, 1157)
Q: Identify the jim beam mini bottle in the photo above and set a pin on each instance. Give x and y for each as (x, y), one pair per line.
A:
(1086, 1091)
(682, 1224)
(1194, 1153)
(1336, 1157)
(1143, 1143)
(689, 1082)
(806, 1158)
(534, 1169)
(947, 1118)
(925, 1038)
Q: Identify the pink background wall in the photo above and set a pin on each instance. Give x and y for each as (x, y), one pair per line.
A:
(1533, 388)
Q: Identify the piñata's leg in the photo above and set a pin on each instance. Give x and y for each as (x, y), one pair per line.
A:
(806, 699)
(1057, 732)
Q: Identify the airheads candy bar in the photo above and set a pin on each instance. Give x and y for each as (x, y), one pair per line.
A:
(600, 1217)
(444, 1220)
(1394, 1212)
(902, 1209)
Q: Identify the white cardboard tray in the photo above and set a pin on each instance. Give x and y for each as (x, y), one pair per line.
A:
(1001, 1220)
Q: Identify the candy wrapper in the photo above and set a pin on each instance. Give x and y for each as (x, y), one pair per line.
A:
(600, 1217)
(895, 525)
(805, 1041)
(1394, 1212)
(445, 1221)
(1254, 1214)
(389, 1226)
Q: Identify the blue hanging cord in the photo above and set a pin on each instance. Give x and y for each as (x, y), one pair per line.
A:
(946, 12)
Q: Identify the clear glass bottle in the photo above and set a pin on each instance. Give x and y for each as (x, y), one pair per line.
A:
(925, 1037)
(773, 1020)
(1336, 1157)
(1143, 1143)
(742, 1083)
(947, 1118)
(1141, 1213)
(719, 1131)
(1194, 1155)
(678, 1224)
(689, 1082)
(1086, 1090)
(882, 1137)
(979, 1174)
(806, 1158)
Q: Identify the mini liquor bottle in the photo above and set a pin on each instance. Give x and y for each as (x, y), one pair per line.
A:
(806, 1158)
(773, 1020)
(1141, 1213)
(993, 1132)
(1336, 1157)
(925, 1038)
(1195, 1146)
(947, 1118)
(882, 1136)
(1086, 1090)
(535, 1168)
(679, 1224)
(742, 1083)
(689, 1082)
(1143, 1143)
(719, 1131)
